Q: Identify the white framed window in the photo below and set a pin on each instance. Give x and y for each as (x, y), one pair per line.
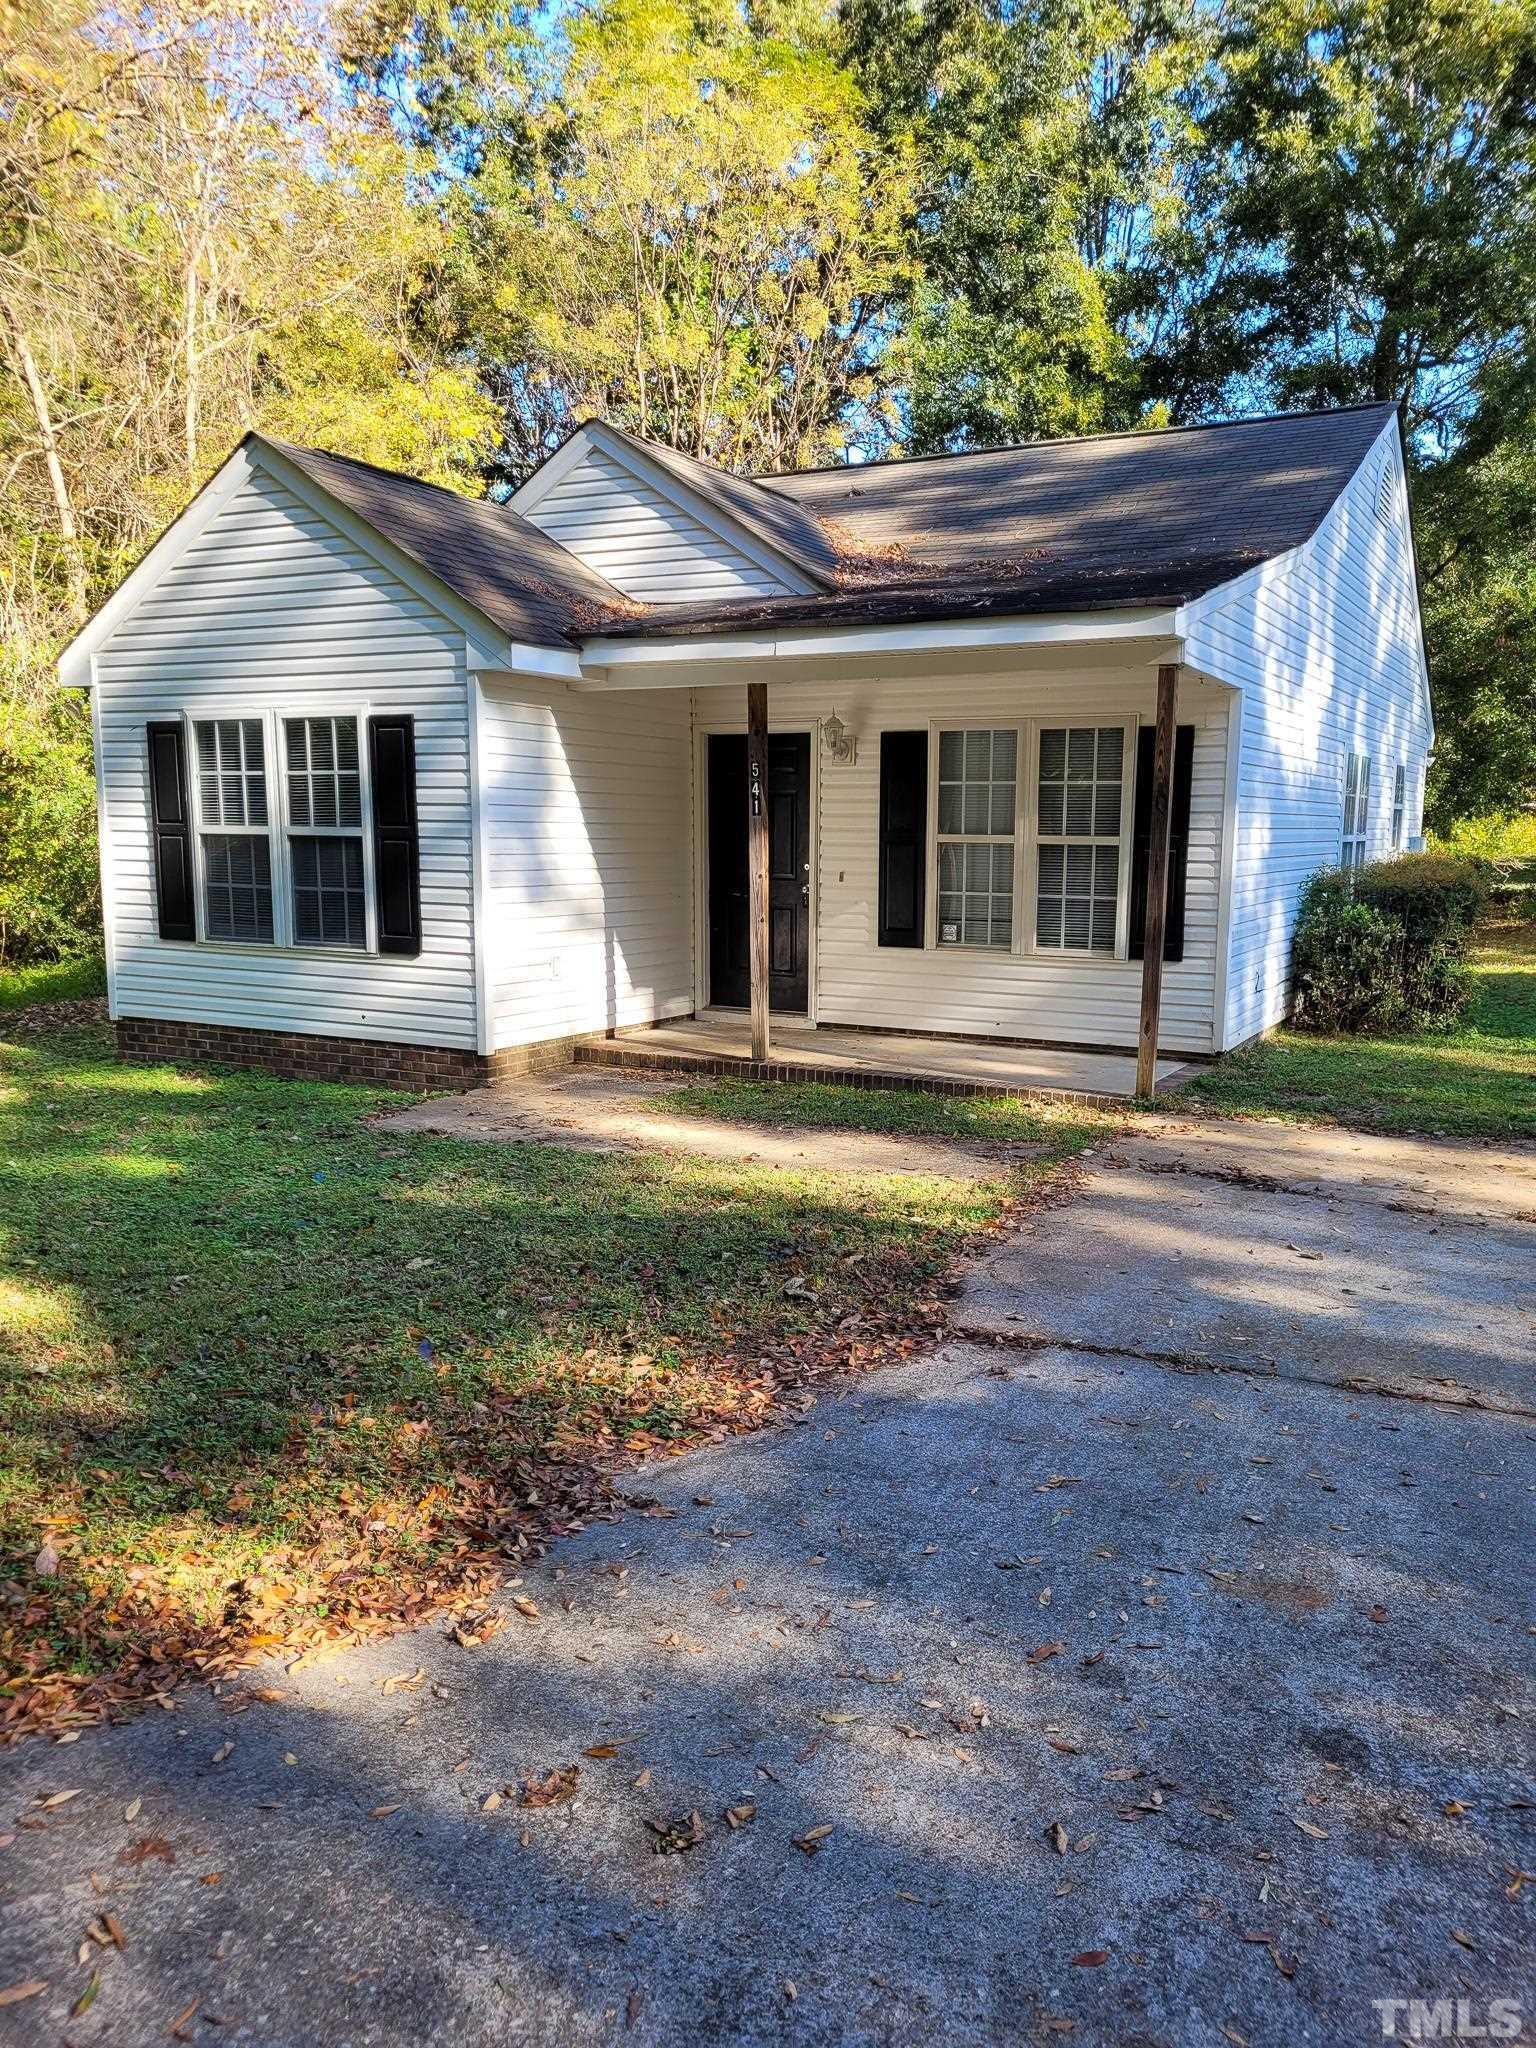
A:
(1357, 810)
(1080, 812)
(1399, 804)
(234, 839)
(1030, 836)
(325, 835)
(284, 853)
(977, 823)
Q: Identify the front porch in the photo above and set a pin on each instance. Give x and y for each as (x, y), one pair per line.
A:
(719, 1042)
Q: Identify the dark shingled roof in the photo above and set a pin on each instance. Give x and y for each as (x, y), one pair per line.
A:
(524, 582)
(1115, 520)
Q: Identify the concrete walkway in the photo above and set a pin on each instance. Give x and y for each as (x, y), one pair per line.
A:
(1171, 1693)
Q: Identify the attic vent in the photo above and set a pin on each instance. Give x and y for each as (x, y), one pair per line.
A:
(1386, 495)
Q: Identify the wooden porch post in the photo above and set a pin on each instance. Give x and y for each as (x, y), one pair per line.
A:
(757, 860)
(1157, 881)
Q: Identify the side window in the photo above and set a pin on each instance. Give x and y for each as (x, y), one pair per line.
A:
(1399, 805)
(1357, 810)
(233, 829)
(325, 831)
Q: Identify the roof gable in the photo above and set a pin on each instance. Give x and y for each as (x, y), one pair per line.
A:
(654, 521)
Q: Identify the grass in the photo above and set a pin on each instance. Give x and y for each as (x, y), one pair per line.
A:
(825, 1106)
(268, 1369)
(1477, 1081)
(66, 981)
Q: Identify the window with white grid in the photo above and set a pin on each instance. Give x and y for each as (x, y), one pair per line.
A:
(325, 840)
(1357, 810)
(978, 802)
(1399, 805)
(1080, 805)
(237, 852)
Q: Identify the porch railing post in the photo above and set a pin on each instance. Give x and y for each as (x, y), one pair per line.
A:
(1157, 881)
(757, 860)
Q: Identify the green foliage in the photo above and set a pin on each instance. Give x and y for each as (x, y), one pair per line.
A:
(1049, 153)
(1382, 947)
(671, 213)
(1344, 964)
(50, 891)
(1503, 840)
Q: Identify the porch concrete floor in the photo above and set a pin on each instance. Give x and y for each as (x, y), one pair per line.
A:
(725, 1035)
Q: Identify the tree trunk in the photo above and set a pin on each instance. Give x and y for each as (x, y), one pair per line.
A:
(69, 531)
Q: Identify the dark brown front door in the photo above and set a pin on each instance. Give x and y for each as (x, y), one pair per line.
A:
(789, 871)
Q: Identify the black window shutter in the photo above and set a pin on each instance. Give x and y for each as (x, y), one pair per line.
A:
(1178, 839)
(903, 837)
(173, 828)
(396, 844)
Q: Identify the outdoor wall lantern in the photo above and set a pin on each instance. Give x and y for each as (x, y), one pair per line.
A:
(841, 744)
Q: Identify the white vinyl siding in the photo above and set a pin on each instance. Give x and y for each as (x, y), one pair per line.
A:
(271, 611)
(1074, 998)
(1324, 645)
(646, 545)
(587, 844)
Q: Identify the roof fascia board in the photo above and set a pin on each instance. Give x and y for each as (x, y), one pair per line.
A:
(76, 662)
(637, 660)
(594, 436)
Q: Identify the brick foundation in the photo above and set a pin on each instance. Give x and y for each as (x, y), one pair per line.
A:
(299, 1056)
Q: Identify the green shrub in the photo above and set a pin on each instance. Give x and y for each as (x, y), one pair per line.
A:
(1345, 962)
(1382, 947)
(50, 889)
(1436, 897)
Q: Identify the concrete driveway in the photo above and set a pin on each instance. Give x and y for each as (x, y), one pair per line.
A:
(1176, 1690)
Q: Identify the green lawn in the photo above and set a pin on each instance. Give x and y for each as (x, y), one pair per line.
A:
(265, 1368)
(1476, 1081)
(824, 1106)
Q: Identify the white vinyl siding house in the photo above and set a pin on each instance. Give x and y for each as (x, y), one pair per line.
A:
(559, 685)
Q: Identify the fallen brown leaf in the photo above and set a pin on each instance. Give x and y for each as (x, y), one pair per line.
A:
(554, 1790)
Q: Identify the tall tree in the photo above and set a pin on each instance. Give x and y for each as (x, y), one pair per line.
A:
(674, 215)
(1049, 149)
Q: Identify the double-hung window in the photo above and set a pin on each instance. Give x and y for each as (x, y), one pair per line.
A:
(234, 829)
(1357, 810)
(1079, 814)
(282, 852)
(978, 803)
(1399, 805)
(325, 832)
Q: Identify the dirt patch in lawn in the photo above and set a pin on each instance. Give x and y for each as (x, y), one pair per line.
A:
(597, 1109)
